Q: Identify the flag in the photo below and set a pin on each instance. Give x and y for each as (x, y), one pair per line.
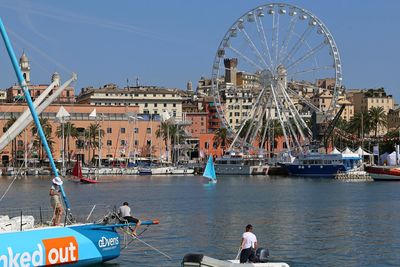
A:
(376, 150)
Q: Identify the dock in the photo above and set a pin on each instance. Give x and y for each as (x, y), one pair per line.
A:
(354, 176)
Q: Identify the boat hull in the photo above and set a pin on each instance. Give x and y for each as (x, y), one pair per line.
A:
(323, 171)
(232, 169)
(78, 245)
(201, 260)
(384, 173)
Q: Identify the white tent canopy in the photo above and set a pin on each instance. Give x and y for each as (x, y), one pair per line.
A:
(347, 151)
(335, 151)
(362, 152)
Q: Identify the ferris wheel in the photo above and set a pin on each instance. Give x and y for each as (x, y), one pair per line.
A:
(269, 67)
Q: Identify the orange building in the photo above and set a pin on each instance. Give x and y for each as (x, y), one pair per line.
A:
(126, 133)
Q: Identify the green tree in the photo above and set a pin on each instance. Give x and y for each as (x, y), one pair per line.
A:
(377, 118)
(93, 138)
(47, 130)
(359, 124)
(222, 138)
(70, 132)
(170, 134)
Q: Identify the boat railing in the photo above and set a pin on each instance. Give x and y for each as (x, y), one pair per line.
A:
(43, 215)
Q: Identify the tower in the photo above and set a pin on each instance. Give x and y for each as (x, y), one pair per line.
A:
(189, 87)
(230, 70)
(25, 68)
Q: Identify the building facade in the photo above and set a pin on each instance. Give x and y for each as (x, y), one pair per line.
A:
(149, 99)
(126, 133)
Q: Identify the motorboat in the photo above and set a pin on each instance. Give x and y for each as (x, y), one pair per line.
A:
(384, 173)
(315, 164)
(200, 260)
(233, 163)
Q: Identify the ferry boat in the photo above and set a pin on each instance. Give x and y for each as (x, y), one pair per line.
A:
(239, 164)
(316, 164)
(384, 173)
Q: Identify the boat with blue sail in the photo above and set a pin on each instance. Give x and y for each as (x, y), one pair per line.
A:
(209, 171)
(22, 243)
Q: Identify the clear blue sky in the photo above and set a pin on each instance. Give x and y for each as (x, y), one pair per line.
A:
(167, 43)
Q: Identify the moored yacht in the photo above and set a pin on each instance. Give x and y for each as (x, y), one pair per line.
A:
(238, 164)
(317, 164)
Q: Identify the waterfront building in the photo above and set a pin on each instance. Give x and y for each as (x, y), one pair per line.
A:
(393, 119)
(149, 99)
(127, 133)
(363, 100)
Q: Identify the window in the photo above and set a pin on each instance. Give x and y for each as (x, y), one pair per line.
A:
(136, 142)
(136, 130)
(145, 105)
(122, 130)
(123, 142)
(174, 113)
(109, 143)
(20, 143)
(148, 130)
(165, 105)
(174, 105)
(109, 130)
(145, 112)
(154, 95)
(155, 105)
(148, 142)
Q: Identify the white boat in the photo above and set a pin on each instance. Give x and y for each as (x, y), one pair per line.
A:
(200, 260)
(238, 164)
(161, 170)
(182, 170)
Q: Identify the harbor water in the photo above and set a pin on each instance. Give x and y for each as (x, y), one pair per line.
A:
(304, 222)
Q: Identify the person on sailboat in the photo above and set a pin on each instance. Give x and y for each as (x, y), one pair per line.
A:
(55, 200)
(248, 245)
(125, 212)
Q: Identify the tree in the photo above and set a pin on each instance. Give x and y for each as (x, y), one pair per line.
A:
(47, 130)
(359, 124)
(173, 132)
(222, 138)
(92, 137)
(70, 131)
(377, 118)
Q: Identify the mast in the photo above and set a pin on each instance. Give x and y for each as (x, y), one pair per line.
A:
(28, 99)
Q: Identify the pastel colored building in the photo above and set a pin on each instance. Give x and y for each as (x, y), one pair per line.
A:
(126, 133)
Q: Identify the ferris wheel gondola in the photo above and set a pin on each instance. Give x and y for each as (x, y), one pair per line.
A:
(267, 69)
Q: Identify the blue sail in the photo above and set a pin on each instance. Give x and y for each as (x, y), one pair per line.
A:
(209, 172)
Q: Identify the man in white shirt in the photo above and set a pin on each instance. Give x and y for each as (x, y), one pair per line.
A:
(125, 212)
(248, 245)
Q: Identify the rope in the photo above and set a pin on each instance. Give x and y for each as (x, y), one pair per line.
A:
(15, 177)
(147, 244)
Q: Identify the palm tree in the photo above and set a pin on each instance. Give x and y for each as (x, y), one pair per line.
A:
(47, 130)
(222, 138)
(8, 124)
(92, 136)
(377, 118)
(70, 131)
(173, 132)
(359, 124)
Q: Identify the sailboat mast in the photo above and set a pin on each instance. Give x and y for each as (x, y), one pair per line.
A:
(28, 99)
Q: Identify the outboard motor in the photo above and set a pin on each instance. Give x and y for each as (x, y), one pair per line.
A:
(262, 255)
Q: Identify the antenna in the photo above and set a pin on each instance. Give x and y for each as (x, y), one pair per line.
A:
(137, 81)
